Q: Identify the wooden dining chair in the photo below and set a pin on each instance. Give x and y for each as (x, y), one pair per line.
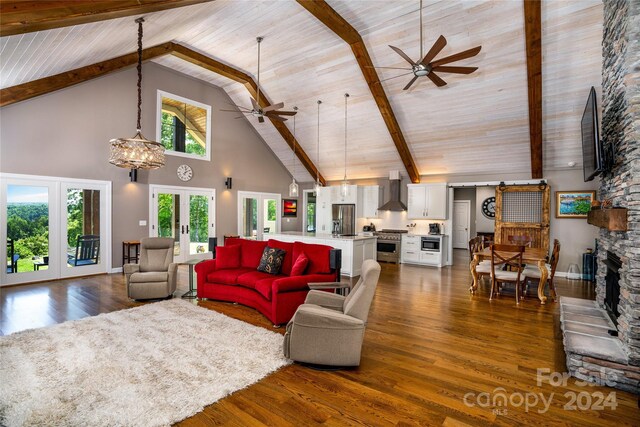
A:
(521, 240)
(533, 272)
(510, 256)
(477, 244)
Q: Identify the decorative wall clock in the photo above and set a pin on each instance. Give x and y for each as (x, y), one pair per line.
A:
(489, 207)
(185, 173)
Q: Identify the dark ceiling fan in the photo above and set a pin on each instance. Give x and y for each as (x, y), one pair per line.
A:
(270, 111)
(426, 67)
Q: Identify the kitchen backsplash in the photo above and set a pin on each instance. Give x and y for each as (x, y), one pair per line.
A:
(399, 221)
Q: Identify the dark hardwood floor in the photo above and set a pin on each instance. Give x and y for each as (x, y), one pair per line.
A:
(429, 347)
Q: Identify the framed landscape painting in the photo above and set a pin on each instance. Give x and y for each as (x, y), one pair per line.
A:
(289, 207)
(573, 204)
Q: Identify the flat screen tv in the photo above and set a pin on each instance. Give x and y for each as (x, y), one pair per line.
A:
(591, 147)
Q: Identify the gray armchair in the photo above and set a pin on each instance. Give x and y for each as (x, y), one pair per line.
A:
(328, 329)
(155, 276)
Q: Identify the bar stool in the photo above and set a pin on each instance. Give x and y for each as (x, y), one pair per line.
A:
(127, 245)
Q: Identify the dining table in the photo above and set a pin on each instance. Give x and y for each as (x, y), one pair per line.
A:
(537, 256)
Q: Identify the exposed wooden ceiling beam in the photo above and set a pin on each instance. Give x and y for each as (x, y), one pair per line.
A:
(22, 92)
(533, 42)
(19, 17)
(249, 83)
(45, 85)
(329, 17)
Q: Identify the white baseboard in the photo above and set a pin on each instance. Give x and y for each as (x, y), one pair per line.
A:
(119, 270)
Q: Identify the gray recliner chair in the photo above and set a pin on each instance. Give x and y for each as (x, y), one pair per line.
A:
(155, 276)
(328, 329)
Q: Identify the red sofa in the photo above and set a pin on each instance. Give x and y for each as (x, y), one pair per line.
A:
(276, 296)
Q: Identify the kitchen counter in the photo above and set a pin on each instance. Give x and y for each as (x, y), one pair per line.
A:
(323, 236)
(355, 249)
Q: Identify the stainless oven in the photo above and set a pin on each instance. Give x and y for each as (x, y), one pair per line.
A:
(430, 244)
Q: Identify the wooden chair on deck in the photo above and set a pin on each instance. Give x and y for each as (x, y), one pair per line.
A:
(510, 256)
(87, 251)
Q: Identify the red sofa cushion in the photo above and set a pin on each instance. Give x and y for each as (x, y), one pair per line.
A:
(251, 253)
(227, 277)
(300, 265)
(249, 279)
(288, 256)
(300, 283)
(228, 257)
(318, 256)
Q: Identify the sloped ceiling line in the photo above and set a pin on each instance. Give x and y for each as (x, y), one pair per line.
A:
(336, 23)
(22, 92)
(20, 17)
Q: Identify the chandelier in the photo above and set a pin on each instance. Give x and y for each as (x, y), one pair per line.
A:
(293, 187)
(137, 152)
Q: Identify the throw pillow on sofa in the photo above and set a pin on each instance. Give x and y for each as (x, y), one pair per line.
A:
(271, 261)
(299, 265)
(228, 257)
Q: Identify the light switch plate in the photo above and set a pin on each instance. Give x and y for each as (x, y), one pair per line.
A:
(142, 223)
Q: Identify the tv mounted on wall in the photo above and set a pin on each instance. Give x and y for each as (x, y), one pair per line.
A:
(592, 153)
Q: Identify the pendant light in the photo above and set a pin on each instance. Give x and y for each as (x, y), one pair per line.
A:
(137, 152)
(344, 187)
(318, 185)
(293, 187)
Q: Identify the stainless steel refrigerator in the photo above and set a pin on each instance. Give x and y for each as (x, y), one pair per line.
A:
(343, 219)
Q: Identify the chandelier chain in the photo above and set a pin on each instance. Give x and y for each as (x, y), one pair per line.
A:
(318, 147)
(346, 97)
(139, 67)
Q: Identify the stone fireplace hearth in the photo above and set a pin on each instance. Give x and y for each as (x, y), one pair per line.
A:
(593, 349)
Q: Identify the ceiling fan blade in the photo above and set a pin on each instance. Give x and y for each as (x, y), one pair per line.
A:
(273, 107)
(435, 79)
(274, 117)
(236, 111)
(395, 77)
(456, 70)
(404, 55)
(282, 113)
(238, 106)
(254, 103)
(410, 83)
(457, 56)
(435, 49)
(387, 68)
(261, 119)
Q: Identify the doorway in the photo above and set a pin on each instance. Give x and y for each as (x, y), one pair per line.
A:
(309, 217)
(258, 214)
(53, 228)
(187, 215)
(461, 224)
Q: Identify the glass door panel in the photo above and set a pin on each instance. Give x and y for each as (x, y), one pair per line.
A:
(168, 219)
(198, 224)
(249, 216)
(269, 217)
(259, 215)
(27, 228)
(83, 227)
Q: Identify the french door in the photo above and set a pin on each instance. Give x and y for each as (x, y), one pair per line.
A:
(46, 223)
(258, 214)
(185, 214)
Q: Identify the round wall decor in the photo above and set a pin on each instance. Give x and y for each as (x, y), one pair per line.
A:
(185, 173)
(489, 207)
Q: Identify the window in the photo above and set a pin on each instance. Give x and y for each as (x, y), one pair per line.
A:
(184, 126)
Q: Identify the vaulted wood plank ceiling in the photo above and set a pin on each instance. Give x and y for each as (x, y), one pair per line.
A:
(478, 123)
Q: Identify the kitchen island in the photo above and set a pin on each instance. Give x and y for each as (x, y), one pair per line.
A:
(355, 249)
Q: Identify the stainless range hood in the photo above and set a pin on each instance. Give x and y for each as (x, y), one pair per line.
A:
(394, 203)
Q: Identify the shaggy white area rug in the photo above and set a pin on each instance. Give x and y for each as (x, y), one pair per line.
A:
(147, 366)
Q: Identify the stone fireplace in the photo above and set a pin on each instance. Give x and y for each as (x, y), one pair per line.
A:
(598, 348)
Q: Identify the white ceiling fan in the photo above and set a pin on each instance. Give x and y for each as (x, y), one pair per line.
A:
(270, 111)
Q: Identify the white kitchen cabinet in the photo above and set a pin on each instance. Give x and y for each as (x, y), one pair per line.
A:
(350, 198)
(323, 210)
(369, 198)
(427, 201)
(412, 253)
